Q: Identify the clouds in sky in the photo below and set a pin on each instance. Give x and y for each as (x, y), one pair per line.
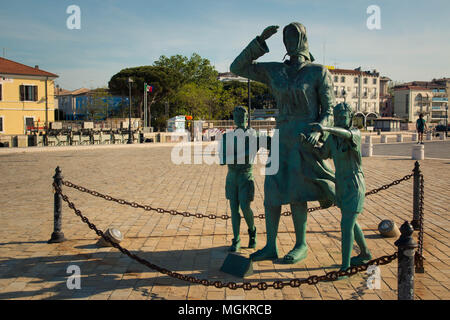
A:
(411, 45)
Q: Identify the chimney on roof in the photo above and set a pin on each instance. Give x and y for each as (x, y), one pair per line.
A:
(36, 67)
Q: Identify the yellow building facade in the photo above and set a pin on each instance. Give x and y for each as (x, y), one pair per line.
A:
(27, 97)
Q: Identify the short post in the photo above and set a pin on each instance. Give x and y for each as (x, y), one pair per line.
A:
(418, 152)
(367, 149)
(416, 197)
(406, 246)
(57, 235)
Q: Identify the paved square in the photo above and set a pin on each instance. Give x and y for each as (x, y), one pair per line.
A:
(32, 269)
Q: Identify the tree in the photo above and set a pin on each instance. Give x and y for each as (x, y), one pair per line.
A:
(195, 69)
(164, 81)
(260, 94)
(97, 103)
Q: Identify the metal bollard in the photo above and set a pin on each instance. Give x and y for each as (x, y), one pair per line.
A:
(406, 246)
(416, 197)
(57, 235)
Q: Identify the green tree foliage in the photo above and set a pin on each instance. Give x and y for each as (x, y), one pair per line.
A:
(261, 95)
(195, 69)
(189, 86)
(164, 81)
(96, 106)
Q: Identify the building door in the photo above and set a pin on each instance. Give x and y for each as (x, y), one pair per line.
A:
(29, 123)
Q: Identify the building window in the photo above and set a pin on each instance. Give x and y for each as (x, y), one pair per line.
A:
(365, 80)
(336, 78)
(342, 79)
(1, 123)
(29, 122)
(28, 93)
(1, 91)
(335, 90)
(375, 81)
(355, 80)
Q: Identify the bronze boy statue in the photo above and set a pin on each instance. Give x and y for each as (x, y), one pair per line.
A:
(343, 145)
(240, 186)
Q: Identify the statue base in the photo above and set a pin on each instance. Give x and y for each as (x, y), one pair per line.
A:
(237, 266)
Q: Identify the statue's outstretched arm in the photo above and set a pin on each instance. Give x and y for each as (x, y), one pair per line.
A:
(337, 131)
(245, 66)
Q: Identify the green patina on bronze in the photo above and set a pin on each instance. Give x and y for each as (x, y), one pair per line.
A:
(240, 185)
(344, 147)
(304, 95)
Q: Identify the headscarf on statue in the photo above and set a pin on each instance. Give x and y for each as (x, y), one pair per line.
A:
(302, 44)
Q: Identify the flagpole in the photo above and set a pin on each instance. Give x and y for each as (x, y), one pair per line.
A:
(145, 106)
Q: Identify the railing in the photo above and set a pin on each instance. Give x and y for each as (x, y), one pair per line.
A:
(406, 254)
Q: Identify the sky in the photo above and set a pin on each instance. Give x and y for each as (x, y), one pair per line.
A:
(411, 44)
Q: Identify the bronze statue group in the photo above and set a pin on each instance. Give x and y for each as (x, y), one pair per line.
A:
(307, 137)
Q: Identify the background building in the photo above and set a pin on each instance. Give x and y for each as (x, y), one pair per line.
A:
(26, 97)
(86, 104)
(427, 97)
(230, 76)
(362, 92)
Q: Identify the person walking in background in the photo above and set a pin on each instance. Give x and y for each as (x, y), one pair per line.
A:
(420, 127)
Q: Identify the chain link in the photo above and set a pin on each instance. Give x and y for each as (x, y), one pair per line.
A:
(278, 285)
(212, 216)
(419, 253)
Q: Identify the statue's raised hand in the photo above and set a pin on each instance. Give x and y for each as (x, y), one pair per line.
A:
(268, 32)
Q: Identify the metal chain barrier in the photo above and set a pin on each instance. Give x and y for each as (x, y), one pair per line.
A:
(312, 280)
(419, 253)
(210, 216)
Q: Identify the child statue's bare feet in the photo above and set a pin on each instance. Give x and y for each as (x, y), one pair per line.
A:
(360, 259)
(235, 245)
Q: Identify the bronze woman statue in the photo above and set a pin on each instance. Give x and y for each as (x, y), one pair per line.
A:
(304, 95)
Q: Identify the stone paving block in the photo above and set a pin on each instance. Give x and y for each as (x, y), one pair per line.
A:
(32, 269)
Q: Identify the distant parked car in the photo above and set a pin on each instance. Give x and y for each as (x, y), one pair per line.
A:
(441, 128)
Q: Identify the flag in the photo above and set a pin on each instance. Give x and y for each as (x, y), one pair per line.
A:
(149, 88)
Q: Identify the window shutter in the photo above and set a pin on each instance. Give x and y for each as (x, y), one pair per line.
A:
(22, 92)
(35, 93)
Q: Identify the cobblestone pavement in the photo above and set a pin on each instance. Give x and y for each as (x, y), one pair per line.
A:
(32, 269)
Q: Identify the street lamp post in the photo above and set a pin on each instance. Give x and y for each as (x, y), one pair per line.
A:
(249, 102)
(130, 140)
